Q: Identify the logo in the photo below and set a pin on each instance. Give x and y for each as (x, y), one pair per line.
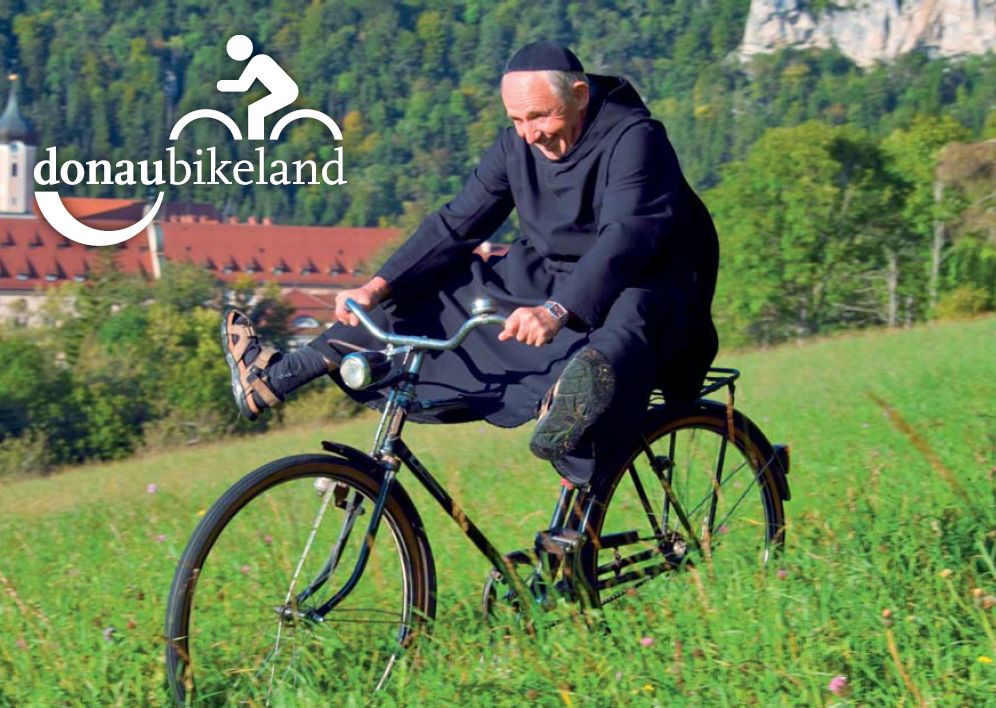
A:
(206, 169)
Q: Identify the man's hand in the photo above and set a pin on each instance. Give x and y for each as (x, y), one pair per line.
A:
(368, 296)
(530, 325)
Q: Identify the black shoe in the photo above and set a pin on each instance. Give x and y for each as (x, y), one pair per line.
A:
(581, 394)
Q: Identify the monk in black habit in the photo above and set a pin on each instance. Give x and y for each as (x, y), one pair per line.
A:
(610, 281)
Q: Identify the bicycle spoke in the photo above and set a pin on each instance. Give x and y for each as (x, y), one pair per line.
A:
(326, 499)
(729, 478)
(642, 493)
(248, 636)
(746, 490)
(711, 508)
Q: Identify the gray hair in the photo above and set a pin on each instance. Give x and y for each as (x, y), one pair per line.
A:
(562, 83)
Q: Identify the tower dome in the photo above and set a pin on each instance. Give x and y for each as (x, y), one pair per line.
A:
(14, 126)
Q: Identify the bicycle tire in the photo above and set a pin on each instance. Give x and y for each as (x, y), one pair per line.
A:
(196, 596)
(750, 450)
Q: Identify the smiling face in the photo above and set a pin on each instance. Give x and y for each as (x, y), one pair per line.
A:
(540, 116)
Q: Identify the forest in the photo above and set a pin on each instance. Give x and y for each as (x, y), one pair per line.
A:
(844, 197)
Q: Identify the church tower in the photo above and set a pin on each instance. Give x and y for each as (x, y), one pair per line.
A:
(17, 157)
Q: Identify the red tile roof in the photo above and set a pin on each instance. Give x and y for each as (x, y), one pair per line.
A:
(302, 301)
(318, 307)
(293, 256)
(32, 253)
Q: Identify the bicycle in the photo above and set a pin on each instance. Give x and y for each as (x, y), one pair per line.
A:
(243, 618)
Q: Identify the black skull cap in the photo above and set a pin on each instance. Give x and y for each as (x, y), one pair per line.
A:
(543, 56)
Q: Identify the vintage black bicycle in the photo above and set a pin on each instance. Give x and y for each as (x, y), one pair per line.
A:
(316, 565)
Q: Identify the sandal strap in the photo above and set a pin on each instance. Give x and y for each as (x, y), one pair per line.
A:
(258, 385)
(262, 360)
(245, 333)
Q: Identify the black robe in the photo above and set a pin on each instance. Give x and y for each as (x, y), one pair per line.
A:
(614, 213)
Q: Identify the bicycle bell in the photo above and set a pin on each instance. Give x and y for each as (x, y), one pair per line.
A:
(483, 306)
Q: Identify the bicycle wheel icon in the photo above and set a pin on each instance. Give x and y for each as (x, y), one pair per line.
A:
(275, 133)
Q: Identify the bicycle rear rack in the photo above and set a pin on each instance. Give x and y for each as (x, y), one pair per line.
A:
(716, 378)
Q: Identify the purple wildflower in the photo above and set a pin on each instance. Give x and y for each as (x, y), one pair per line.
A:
(152, 488)
(837, 685)
(647, 641)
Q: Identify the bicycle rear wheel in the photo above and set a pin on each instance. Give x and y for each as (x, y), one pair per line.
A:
(232, 634)
(729, 491)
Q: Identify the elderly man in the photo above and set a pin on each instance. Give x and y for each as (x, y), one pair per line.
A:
(607, 288)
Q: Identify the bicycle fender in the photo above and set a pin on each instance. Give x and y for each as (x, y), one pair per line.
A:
(369, 464)
(350, 453)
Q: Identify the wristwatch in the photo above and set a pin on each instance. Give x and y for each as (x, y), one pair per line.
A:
(557, 311)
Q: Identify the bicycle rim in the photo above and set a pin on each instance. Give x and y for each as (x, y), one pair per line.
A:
(725, 488)
(244, 642)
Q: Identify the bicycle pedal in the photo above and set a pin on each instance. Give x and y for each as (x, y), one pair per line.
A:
(559, 542)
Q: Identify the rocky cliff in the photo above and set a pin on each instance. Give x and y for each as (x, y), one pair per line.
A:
(869, 31)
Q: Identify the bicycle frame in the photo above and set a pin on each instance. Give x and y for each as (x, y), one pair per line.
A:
(390, 453)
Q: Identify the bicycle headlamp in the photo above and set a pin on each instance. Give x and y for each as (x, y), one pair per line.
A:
(361, 369)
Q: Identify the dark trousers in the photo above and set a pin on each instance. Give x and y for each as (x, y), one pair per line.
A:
(645, 336)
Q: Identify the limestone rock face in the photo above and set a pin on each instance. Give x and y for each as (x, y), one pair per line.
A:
(869, 31)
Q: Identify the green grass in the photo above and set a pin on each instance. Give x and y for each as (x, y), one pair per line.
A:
(874, 528)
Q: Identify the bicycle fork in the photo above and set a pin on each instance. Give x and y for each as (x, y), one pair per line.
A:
(385, 439)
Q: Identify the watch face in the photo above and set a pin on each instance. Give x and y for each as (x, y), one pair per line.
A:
(557, 310)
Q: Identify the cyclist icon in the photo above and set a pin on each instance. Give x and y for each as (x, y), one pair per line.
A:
(283, 89)
(283, 92)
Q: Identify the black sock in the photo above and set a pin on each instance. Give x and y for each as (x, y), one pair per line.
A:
(294, 369)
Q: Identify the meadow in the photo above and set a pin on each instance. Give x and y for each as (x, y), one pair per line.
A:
(884, 596)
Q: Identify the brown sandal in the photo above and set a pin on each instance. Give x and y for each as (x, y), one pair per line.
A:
(250, 385)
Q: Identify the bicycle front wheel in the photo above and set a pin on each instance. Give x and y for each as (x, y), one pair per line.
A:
(725, 510)
(241, 623)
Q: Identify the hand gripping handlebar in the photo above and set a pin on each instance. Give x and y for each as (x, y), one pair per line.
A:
(483, 313)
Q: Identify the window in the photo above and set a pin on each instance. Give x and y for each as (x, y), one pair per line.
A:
(304, 322)
(13, 169)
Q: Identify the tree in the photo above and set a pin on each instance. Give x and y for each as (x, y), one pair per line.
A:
(968, 173)
(798, 219)
(913, 152)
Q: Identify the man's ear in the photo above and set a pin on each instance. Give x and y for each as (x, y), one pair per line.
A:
(581, 94)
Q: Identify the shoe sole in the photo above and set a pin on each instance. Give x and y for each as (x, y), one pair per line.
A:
(238, 392)
(583, 392)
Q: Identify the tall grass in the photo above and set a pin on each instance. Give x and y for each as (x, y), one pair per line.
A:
(889, 577)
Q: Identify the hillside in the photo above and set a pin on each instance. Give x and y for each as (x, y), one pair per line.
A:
(885, 580)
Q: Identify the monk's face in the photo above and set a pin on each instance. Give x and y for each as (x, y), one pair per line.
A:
(540, 117)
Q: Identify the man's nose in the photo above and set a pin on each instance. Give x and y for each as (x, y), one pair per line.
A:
(530, 133)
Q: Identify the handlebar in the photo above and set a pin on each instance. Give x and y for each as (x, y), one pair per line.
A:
(484, 314)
